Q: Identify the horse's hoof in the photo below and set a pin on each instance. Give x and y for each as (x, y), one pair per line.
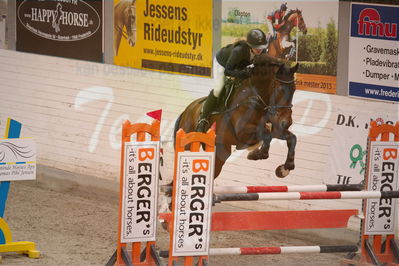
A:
(257, 155)
(281, 172)
(252, 155)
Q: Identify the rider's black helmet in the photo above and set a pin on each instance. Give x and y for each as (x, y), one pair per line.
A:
(283, 7)
(256, 38)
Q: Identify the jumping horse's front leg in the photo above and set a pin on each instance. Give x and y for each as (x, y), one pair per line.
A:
(284, 170)
(262, 153)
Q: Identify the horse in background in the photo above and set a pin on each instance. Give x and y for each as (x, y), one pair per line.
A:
(124, 23)
(282, 46)
(261, 100)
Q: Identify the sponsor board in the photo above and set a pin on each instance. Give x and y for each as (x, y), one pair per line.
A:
(348, 150)
(17, 159)
(316, 47)
(193, 203)
(169, 36)
(382, 176)
(67, 28)
(140, 191)
(374, 52)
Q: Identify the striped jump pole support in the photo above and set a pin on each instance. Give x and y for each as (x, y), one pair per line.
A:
(378, 244)
(139, 173)
(192, 197)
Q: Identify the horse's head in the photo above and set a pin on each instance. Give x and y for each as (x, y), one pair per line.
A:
(295, 18)
(280, 103)
(266, 65)
(130, 22)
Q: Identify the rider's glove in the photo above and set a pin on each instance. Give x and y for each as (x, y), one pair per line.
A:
(248, 71)
(250, 66)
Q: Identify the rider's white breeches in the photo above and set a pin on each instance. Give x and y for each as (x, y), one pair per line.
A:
(218, 78)
(270, 27)
(285, 43)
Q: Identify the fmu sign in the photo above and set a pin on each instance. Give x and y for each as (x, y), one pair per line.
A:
(374, 51)
(377, 21)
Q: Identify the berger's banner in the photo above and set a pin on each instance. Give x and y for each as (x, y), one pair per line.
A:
(67, 28)
(193, 203)
(382, 176)
(374, 52)
(139, 193)
(170, 36)
(308, 33)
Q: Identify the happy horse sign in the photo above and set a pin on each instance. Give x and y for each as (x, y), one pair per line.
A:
(193, 203)
(383, 176)
(17, 159)
(140, 191)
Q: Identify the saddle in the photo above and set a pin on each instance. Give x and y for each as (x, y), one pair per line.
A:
(230, 84)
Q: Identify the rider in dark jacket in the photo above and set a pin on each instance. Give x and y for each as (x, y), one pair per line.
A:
(234, 60)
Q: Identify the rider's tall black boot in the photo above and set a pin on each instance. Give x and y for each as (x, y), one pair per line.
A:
(207, 108)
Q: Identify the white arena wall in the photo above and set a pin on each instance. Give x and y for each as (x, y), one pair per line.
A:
(74, 110)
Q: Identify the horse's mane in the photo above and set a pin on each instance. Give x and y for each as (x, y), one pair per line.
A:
(265, 59)
(290, 12)
(124, 3)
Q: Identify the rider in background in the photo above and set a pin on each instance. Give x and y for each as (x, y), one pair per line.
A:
(234, 60)
(275, 19)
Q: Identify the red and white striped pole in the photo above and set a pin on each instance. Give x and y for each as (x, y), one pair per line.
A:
(264, 189)
(282, 250)
(307, 195)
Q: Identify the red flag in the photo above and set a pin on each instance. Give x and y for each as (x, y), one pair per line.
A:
(214, 126)
(155, 114)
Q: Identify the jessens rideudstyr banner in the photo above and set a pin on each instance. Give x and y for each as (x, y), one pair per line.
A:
(170, 36)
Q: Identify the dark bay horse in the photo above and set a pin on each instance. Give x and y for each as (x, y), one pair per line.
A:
(257, 111)
(124, 23)
(282, 46)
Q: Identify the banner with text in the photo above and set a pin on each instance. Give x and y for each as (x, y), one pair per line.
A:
(347, 154)
(305, 34)
(17, 159)
(193, 203)
(374, 52)
(170, 36)
(383, 176)
(67, 28)
(140, 191)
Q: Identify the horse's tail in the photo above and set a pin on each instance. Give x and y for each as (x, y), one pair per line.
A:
(177, 127)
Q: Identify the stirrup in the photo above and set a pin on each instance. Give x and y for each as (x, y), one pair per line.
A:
(202, 125)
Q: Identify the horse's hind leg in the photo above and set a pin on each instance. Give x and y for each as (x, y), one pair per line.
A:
(223, 152)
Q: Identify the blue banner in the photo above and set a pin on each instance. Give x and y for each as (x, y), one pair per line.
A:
(374, 91)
